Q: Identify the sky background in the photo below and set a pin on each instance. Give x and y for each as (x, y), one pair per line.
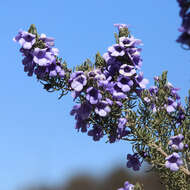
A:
(38, 142)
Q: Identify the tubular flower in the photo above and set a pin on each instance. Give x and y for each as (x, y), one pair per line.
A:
(173, 162)
(176, 142)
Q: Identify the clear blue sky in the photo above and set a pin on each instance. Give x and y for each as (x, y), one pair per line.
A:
(38, 141)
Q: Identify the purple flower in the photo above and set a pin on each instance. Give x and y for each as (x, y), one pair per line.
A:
(127, 70)
(134, 55)
(119, 103)
(139, 91)
(156, 78)
(108, 58)
(85, 110)
(102, 108)
(127, 186)
(154, 109)
(129, 41)
(29, 65)
(141, 82)
(75, 109)
(93, 95)
(81, 125)
(153, 90)
(49, 42)
(121, 129)
(176, 142)
(41, 62)
(43, 57)
(77, 81)
(125, 83)
(173, 91)
(184, 38)
(25, 39)
(116, 50)
(113, 68)
(105, 83)
(133, 161)
(112, 138)
(52, 70)
(184, 5)
(59, 71)
(97, 74)
(185, 24)
(56, 70)
(41, 72)
(117, 92)
(122, 122)
(173, 161)
(54, 51)
(171, 106)
(186, 146)
(82, 113)
(113, 65)
(181, 115)
(96, 133)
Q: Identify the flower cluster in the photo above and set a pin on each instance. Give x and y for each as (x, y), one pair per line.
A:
(40, 58)
(171, 103)
(108, 87)
(81, 112)
(174, 161)
(127, 186)
(184, 38)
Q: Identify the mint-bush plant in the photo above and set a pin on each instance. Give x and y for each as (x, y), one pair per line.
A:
(112, 100)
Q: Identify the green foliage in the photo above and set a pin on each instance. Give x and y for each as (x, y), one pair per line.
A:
(33, 30)
(99, 61)
(124, 32)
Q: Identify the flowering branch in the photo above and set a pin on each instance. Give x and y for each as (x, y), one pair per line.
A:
(113, 101)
